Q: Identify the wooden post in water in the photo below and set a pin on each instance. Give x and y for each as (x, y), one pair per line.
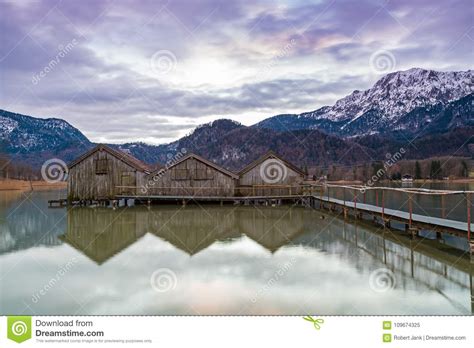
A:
(469, 240)
(471, 285)
(443, 213)
(321, 197)
(355, 203)
(410, 208)
(468, 198)
(329, 204)
(383, 206)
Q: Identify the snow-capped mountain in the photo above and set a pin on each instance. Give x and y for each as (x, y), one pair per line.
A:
(24, 137)
(414, 104)
(25, 133)
(380, 108)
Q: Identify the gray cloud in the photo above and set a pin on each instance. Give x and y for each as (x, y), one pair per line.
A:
(311, 55)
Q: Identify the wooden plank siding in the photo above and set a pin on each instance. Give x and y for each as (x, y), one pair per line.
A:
(105, 174)
(270, 176)
(102, 174)
(191, 176)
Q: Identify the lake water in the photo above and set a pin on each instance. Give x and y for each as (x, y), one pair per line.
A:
(218, 260)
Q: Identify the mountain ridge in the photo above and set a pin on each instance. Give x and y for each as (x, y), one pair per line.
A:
(347, 132)
(381, 106)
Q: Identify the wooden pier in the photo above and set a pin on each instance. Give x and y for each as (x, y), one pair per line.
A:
(317, 196)
(413, 223)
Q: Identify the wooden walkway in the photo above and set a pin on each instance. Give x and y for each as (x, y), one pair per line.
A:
(309, 194)
(401, 216)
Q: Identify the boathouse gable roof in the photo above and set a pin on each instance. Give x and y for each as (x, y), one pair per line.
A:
(202, 160)
(120, 155)
(270, 154)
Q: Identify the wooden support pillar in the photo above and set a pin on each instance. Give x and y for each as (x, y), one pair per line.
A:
(414, 232)
(355, 204)
(384, 248)
(383, 204)
(410, 208)
(471, 284)
(468, 199)
(321, 197)
(356, 235)
(443, 213)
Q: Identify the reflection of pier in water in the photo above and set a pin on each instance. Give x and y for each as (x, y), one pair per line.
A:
(103, 233)
(421, 261)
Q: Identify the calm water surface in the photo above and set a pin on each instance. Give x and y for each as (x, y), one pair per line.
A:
(217, 260)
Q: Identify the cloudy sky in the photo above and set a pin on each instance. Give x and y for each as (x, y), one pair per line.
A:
(129, 70)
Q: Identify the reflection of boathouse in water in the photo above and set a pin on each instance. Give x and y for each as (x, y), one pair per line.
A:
(100, 234)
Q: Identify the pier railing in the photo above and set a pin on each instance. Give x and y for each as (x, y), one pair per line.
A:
(414, 202)
(238, 191)
(453, 205)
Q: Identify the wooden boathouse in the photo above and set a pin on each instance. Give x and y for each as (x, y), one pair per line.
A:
(270, 175)
(193, 176)
(107, 176)
(102, 172)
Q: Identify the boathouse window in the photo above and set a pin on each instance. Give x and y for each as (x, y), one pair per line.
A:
(181, 174)
(127, 183)
(101, 166)
(203, 174)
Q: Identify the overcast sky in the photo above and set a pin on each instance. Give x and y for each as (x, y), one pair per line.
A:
(129, 70)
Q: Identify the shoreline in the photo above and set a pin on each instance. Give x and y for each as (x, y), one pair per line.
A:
(26, 185)
(417, 181)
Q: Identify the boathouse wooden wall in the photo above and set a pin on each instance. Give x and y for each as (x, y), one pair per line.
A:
(191, 177)
(254, 177)
(98, 175)
(255, 182)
